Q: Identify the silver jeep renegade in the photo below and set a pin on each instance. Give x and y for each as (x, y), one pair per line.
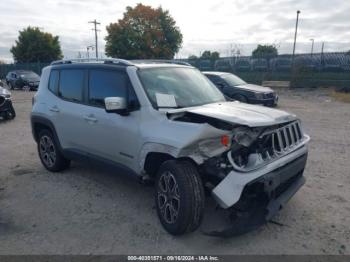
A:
(167, 123)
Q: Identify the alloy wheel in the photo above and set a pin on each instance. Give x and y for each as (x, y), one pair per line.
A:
(47, 151)
(168, 197)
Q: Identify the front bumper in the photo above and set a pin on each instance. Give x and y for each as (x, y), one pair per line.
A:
(274, 176)
(6, 105)
(265, 101)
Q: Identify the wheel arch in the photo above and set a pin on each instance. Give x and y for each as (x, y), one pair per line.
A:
(39, 123)
(154, 160)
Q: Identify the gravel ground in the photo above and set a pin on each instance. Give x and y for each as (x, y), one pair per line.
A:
(86, 210)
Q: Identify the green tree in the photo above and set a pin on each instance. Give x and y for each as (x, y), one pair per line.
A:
(143, 33)
(192, 57)
(265, 51)
(210, 55)
(34, 45)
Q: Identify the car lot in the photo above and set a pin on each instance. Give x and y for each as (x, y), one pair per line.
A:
(90, 210)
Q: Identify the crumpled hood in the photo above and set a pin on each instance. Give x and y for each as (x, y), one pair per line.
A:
(255, 88)
(240, 113)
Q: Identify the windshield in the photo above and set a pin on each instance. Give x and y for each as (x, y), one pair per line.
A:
(178, 87)
(29, 75)
(233, 80)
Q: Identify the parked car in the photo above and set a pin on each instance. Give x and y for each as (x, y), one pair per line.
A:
(7, 111)
(234, 87)
(281, 64)
(242, 65)
(168, 123)
(22, 79)
(346, 64)
(205, 65)
(308, 63)
(332, 64)
(259, 64)
(223, 66)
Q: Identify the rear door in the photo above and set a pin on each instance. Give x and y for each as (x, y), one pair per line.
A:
(67, 109)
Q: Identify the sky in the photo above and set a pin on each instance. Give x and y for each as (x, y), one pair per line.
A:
(224, 26)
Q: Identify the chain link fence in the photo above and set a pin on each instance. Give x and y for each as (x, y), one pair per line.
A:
(304, 70)
(35, 67)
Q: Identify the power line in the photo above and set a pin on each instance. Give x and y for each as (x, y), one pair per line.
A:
(95, 29)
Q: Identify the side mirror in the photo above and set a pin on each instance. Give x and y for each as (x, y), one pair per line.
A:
(116, 105)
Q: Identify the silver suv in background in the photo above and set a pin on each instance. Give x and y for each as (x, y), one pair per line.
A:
(168, 123)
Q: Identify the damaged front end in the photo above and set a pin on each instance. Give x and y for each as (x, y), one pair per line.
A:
(254, 175)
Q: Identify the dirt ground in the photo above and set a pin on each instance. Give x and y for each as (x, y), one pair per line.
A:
(86, 210)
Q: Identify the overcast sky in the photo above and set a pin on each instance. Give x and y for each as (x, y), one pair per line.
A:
(213, 25)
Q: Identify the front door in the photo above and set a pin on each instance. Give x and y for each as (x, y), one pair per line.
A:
(110, 135)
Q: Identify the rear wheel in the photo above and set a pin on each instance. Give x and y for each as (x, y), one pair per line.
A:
(179, 197)
(49, 153)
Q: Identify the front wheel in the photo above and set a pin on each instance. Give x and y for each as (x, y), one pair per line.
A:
(179, 197)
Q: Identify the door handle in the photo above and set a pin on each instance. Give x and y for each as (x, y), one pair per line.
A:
(54, 109)
(90, 118)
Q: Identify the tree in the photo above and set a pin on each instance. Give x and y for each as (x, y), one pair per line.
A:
(192, 57)
(143, 33)
(210, 55)
(265, 51)
(34, 45)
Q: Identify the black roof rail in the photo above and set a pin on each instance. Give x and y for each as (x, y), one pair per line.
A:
(165, 61)
(116, 61)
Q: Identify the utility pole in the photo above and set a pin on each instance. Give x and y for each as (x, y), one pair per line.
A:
(295, 36)
(312, 46)
(95, 29)
(322, 56)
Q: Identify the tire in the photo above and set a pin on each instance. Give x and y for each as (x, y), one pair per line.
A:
(50, 154)
(241, 98)
(179, 197)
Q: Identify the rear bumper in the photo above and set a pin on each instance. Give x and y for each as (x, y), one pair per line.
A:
(281, 179)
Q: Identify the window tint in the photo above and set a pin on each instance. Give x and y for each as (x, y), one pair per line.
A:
(104, 83)
(53, 82)
(71, 84)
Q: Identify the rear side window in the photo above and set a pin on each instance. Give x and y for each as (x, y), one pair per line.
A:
(71, 84)
(53, 82)
(104, 83)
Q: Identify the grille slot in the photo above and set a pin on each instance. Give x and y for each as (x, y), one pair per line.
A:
(283, 139)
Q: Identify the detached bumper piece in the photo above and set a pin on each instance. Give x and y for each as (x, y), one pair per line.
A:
(262, 199)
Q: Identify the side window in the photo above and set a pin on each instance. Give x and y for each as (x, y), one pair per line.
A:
(105, 83)
(53, 81)
(71, 84)
(216, 80)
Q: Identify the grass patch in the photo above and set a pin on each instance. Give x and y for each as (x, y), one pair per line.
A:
(340, 96)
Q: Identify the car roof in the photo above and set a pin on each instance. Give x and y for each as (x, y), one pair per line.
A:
(21, 71)
(216, 73)
(122, 63)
